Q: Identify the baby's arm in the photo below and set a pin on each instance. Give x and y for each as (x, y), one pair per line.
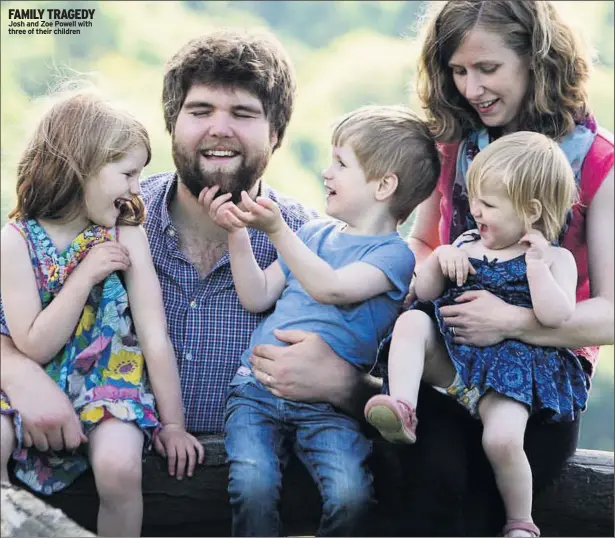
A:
(552, 278)
(446, 262)
(38, 332)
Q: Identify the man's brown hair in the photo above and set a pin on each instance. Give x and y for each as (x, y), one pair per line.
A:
(254, 61)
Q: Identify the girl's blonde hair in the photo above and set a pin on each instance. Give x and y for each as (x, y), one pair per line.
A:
(529, 166)
(76, 137)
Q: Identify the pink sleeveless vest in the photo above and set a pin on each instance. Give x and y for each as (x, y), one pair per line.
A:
(598, 162)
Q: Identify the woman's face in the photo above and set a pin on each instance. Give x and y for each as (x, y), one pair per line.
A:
(491, 77)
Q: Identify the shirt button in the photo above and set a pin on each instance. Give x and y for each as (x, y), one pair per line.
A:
(188, 356)
(171, 232)
(193, 304)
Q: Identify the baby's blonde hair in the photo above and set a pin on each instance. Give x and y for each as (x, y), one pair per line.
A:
(529, 166)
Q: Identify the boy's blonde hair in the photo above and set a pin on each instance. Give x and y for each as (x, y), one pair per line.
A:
(392, 140)
(79, 134)
(529, 166)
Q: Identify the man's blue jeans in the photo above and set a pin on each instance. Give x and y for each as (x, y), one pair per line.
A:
(260, 431)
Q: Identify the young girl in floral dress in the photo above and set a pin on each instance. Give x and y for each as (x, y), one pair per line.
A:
(76, 274)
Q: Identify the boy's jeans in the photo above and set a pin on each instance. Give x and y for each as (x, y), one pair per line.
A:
(260, 428)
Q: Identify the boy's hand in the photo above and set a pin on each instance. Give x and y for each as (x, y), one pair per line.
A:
(219, 209)
(262, 214)
(538, 247)
(454, 263)
(181, 449)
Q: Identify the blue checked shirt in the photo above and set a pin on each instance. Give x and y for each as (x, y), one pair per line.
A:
(207, 325)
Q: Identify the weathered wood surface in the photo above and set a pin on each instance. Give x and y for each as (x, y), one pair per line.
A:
(23, 515)
(579, 504)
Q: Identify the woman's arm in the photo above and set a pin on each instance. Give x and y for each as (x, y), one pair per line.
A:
(483, 319)
(38, 332)
(424, 236)
(257, 290)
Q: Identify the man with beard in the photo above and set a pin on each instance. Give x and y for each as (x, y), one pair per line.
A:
(227, 99)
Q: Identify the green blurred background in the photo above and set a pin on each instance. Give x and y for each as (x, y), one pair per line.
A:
(346, 54)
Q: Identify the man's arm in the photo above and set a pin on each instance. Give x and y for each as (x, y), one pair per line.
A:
(48, 417)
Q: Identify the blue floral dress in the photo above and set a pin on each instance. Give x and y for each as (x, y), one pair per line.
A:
(101, 368)
(548, 380)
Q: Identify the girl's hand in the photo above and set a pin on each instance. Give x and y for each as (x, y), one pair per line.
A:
(454, 263)
(181, 449)
(262, 214)
(219, 209)
(102, 260)
(538, 247)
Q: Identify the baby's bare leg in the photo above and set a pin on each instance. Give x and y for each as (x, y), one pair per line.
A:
(504, 422)
(417, 353)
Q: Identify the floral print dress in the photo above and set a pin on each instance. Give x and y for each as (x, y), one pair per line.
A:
(101, 368)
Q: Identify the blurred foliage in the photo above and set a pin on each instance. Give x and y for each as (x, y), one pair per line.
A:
(346, 54)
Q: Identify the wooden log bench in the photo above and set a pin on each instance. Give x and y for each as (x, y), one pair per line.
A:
(579, 504)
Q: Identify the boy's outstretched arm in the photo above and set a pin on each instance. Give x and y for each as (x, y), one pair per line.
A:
(257, 289)
(350, 284)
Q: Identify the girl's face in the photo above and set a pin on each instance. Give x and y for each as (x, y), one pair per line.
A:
(114, 183)
(499, 225)
(491, 77)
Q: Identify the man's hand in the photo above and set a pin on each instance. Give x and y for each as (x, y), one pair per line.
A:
(306, 370)
(482, 319)
(48, 417)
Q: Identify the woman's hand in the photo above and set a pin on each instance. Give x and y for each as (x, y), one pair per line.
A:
(181, 449)
(482, 319)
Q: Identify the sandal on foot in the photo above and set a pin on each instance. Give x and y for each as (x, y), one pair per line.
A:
(394, 418)
(515, 525)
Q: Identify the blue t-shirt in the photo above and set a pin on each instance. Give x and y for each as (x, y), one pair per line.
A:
(353, 331)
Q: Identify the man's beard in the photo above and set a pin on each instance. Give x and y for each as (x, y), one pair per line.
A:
(242, 179)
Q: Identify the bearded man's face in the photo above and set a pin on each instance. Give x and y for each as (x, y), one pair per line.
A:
(221, 137)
